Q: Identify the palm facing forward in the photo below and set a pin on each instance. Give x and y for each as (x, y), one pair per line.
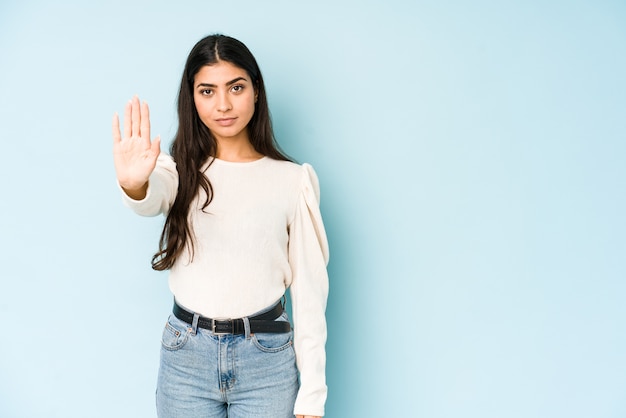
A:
(134, 154)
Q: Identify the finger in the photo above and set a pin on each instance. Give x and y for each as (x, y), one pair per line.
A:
(135, 117)
(145, 122)
(116, 129)
(127, 120)
(156, 145)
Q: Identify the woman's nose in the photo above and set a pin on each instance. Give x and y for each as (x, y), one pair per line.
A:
(224, 104)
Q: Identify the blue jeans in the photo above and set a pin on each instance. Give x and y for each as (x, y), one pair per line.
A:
(239, 376)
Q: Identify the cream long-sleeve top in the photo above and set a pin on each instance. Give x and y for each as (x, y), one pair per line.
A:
(261, 234)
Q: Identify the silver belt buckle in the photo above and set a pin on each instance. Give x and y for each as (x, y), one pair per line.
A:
(213, 325)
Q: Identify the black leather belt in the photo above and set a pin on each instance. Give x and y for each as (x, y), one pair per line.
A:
(264, 322)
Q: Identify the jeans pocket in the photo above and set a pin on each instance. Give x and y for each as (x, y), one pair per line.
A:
(274, 342)
(175, 334)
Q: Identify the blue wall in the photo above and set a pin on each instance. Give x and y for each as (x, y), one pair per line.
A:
(471, 156)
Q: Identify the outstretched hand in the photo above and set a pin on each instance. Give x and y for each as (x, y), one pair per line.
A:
(134, 154)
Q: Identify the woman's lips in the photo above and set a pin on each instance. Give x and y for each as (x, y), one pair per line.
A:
(225, 121)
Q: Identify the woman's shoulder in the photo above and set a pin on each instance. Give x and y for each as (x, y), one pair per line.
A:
(302, 176)
(289, 165)
(292, 169)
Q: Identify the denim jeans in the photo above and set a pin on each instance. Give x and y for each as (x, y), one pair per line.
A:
(238, 376)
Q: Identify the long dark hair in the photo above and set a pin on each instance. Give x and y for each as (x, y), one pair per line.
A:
(194, 143)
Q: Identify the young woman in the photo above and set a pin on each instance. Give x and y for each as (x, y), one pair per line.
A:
(242, 225)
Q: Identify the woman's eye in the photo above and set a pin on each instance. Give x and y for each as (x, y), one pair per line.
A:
(206, 92)
(237, 88)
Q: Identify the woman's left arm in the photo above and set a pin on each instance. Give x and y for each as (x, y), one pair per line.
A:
(308, 258)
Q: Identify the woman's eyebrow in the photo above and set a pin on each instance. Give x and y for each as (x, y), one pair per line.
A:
(227, 83)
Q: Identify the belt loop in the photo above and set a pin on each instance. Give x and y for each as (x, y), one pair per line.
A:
(283, 301)
(246, 327)
(194, 323)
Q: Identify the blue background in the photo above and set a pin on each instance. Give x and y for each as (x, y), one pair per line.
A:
(471, 156)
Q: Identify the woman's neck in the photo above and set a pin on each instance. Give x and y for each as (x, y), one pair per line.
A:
(236, 151)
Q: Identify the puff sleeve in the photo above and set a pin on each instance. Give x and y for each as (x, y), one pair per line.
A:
(162, 189)
(308, 258)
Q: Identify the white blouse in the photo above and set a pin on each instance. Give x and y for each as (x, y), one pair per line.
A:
(261, 234)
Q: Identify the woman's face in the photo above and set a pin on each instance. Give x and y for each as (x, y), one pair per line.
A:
(225, 98)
